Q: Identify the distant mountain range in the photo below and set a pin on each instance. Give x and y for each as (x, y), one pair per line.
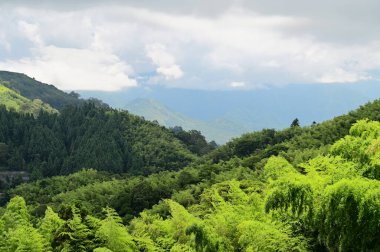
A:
(153, 110)
(219, 115)
(222, 115)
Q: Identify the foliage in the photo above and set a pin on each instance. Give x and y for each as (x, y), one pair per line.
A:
(88, 137)
(14, 101)
(32, 89)
(194, 140)
(299, 189)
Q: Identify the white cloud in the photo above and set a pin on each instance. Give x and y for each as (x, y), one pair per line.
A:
(164, 61)
(255, 45)
(341, 76)
(237, 84)
(31, 32)
(170, 72)
(74, 69)
(4, 42)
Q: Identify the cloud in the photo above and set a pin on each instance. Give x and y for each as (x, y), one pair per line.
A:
(237, 84)
(164, 61)
(170, 72)
(4, 43)
(214, 42)
(74, 69)
(31, 32)
(341, 76)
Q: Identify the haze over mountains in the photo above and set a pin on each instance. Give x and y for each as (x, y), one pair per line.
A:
(219, 115)
(222, 115)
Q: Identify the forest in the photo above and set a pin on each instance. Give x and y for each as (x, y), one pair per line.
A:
(101, 179)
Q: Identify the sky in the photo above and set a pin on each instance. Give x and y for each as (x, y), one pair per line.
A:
(218, 45)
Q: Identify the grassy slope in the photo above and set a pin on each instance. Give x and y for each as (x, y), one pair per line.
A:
(32, 89)
(13, 100)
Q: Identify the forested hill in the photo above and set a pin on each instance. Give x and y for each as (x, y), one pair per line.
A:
(297, 143)
(33, 89)
(13, 100)
(42, 142)
(318, 192)
(127, 184)
(90, 137)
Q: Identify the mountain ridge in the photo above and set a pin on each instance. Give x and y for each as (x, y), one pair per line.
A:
(33, 89)
(154, 110)
(248, 110)
(13, 100)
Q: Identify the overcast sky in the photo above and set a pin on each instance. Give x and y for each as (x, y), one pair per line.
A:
(110, 45)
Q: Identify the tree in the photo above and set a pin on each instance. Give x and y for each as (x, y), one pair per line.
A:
(18, 233)
(113, 234)
(50, 225)
(295, 123)
(3, 153)
(75, 235)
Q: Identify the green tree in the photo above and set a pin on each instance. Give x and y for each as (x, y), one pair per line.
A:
(113, 234)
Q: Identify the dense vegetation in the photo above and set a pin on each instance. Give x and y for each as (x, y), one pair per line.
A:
(148, 188)
(85, 137)
(13, 100)
(32, 89)
(332, 205)
(295, 143)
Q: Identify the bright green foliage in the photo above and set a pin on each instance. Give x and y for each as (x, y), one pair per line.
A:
(341, 206)
(13, 100)
(181, 220)
(201, 238)
(16, 213)
(300, 189)
(17, 232)
(50, 225)
(75, 235)
(113, 234)
(365, 129)
(266, 237)
(277, 167)
(24, 238)
(362, 146)
(102, 250)
(218, 223)
(32, 89)
(293, 193)
(330, 169)
(153, 227)
(350, 216)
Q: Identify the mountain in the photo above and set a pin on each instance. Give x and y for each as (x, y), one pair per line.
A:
(153, 110)
(313, 188)
(88, 136)
(33, 89)
(233, 112)
(13, 100)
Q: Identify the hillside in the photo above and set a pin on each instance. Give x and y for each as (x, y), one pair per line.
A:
(310, 188)
(106, 180)
(88, 136)
(13, 100)
(220, 115)
(297, 144)
(33, 89)
(220, 131)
